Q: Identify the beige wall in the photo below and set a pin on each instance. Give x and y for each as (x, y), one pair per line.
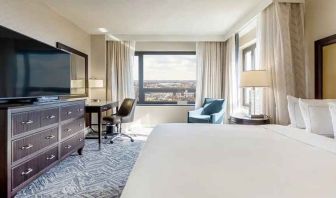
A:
(319, 23)
(165, 46)
(149, 116)
(98, 64)
(38, 21)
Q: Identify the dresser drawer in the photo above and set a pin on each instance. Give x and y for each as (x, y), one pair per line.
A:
(49, 116)
(72, 128)
(30, 144)
(23, 122)
(48, 158)
(72, 111)
(30, 168)
(69, 145)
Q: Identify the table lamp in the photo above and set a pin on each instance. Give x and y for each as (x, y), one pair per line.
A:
(94, 83)
(253, 79)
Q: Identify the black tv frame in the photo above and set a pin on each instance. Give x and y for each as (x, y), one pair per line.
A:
(32, 99)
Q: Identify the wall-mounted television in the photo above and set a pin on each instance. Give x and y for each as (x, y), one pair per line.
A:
(30, 68)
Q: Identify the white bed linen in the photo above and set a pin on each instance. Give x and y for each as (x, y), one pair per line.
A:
(233, 161)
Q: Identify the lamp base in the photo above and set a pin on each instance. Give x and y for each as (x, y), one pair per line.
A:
(96, 100)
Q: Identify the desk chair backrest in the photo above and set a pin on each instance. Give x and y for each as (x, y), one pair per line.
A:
(127, 109)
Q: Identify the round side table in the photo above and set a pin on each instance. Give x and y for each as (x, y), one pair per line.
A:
(244, 120)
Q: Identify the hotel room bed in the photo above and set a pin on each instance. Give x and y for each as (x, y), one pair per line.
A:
(219, 161)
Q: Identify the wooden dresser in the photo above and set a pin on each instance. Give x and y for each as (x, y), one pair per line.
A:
(36, 137)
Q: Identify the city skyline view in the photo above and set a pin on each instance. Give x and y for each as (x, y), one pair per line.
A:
(166, 78)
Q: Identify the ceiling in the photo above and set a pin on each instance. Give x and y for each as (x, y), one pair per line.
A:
(154, 17)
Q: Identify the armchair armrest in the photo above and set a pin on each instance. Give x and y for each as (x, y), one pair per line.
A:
(196, 112)
(217, 118)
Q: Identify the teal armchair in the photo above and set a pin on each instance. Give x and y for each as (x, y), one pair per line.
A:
(212, 111)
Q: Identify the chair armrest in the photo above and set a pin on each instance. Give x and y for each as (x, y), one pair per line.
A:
(195, 112)
(217, 118)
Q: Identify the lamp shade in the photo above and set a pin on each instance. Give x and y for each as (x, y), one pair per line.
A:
(94, 83)
(255, 78)
(77, 84)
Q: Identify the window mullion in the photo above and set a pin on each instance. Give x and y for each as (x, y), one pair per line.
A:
(141, 80)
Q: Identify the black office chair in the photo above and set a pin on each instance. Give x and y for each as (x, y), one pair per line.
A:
(125, 114)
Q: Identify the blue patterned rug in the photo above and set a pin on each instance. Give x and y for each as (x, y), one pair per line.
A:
(94, 174)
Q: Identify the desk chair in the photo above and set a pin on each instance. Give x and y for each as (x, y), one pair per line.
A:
(125, 114)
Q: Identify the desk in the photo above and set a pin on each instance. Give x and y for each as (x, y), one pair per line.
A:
(99, 108)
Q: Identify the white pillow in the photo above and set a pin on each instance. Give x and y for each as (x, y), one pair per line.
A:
(295, 114)
(332, 109)
(317, 116)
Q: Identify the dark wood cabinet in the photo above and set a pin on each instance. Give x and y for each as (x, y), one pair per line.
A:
(36, 137)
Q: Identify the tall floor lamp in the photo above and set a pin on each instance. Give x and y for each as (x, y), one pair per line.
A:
(253, 79)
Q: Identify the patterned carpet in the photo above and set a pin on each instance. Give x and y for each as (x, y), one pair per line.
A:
(94, 174)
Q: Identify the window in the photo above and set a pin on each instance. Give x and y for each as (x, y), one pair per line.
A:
(249, 63)
(165, 77)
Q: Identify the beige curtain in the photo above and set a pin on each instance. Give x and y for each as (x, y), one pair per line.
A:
(120, 55)
(210, 70)
(280, 48)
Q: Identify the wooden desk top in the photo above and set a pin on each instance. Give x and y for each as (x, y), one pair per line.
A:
(100, 106)
(100, 103)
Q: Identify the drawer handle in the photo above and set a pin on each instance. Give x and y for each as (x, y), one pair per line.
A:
(27, 147)
(29, 170)
(50, 137)
(28, 122)
(80, 110)
(68, 130)
(68, 146)
(69, 112)
(51, 157)
(51, 117)
(80, 139)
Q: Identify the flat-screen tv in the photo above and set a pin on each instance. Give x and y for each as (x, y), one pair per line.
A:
(30, 68)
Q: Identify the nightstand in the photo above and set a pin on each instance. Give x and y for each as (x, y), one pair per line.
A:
(249, 121)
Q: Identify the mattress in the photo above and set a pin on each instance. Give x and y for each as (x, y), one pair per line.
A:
(218, 161)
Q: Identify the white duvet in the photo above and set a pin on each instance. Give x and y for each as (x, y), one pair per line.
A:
(233, 161)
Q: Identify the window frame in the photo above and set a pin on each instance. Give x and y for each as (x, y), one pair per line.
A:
(142, 90)
(252, 48)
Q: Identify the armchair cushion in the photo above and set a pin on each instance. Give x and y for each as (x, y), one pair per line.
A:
(214, 107)
(208, 101)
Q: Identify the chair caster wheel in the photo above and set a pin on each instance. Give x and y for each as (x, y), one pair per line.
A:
(111, 142)
(132, 140)
(105, 137)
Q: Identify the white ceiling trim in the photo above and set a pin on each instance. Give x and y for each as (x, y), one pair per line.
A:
(166, 38)
(290, 1)
(247, 18)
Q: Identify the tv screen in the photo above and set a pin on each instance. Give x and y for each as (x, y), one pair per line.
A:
(29, 68)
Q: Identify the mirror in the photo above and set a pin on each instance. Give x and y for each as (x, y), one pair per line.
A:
(78, 71)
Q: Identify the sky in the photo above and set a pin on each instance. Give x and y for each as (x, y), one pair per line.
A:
(168, 67)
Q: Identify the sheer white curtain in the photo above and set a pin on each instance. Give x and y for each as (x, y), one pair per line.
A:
(231, 78)
(217, 74)
(120, 55)
(280, 49)
(210, 70)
